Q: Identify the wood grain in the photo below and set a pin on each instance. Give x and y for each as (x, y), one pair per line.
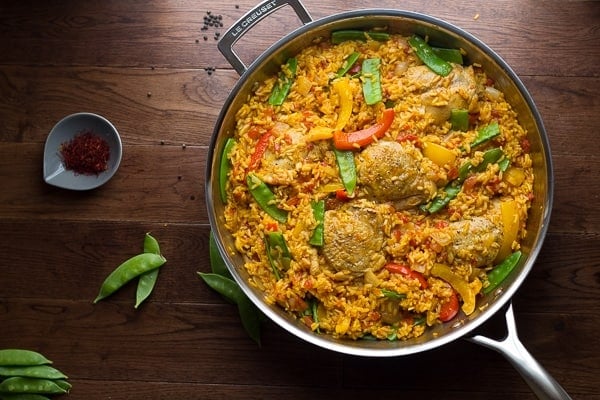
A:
(144, 66)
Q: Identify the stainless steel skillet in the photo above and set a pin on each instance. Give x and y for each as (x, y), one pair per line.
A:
(443, 34)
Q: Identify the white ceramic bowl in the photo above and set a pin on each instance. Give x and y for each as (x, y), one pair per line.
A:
(55, 172)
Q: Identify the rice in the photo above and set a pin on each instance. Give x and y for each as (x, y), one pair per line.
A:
(372, 275)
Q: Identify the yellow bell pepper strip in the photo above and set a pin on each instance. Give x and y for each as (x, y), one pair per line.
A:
(509, 212)
(429, 57)
(318, 208)
(438, 153)
(342, 88)
(259, 150)
(277, 252)
(450, 55)
(459, 119)
(371, 81)
(338, 37)
(265, 198)
(224, 168)
(284, 82)
(348, 64)
(358, 139)
(347, 168)
(319, 133)
(486, 133)
(461, 286)
(497, 275)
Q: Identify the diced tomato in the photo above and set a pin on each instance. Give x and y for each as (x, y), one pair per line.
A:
(469, 184)
(272, 226)
(406, 271)
(450, 308)
(453, 173)
(441, 224)
(342, 195)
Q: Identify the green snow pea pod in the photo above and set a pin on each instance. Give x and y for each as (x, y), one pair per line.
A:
(224, 168)
(371, 77)
(21, 357)
(501, 271)
(148, 279)
(348, 63)
(265, 198)
(459, 119)
(284, 82)
(128, 270)
(226, 287)
(347, 168)
(450, 55)
(18, 384)
(486, 134)
(317, 237)
(250, 316)
(32, 371)
(429, 57)
(217, 264)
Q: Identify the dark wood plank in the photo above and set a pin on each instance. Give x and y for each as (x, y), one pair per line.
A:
(169, 183)
(157, 34)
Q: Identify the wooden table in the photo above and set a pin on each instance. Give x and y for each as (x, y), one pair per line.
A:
(147, 67)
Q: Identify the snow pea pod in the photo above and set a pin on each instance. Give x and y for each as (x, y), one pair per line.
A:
(226, 287)
(21, 357)
(317, 237)
(347, 168)
(278, 253)
(128, 270)
(148, 279)
(250, 316)
(450, 55)
(486, 134)
(371, 78)
(284, 82)
(348, 63)
(217, 263)
(224, 168)
(459, 119)
(17, 384)
(497, 275)
(265, 198)
(33, 371)
(429, 57)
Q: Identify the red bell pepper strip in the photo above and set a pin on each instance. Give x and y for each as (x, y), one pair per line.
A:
(406, 271)
(358, 139)
(449, 309)
(259, 150)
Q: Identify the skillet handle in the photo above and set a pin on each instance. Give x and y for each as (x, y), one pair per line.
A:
(251, 18)
(539, 380)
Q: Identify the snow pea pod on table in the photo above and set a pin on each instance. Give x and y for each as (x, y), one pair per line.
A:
(127, 271)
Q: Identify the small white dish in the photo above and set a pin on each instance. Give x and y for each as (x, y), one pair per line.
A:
(66, 129)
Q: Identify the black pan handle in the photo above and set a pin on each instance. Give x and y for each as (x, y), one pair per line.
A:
(251, 18)
(539, 380)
